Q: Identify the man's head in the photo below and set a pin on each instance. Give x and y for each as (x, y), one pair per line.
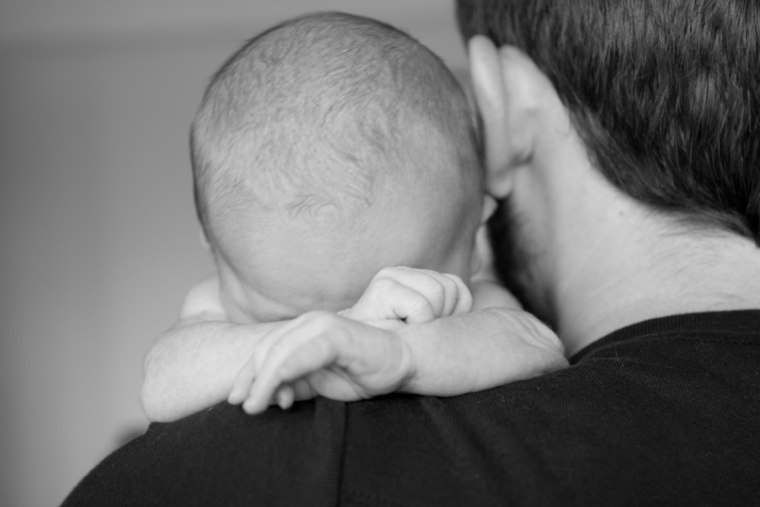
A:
(326, 148)
(664, 95)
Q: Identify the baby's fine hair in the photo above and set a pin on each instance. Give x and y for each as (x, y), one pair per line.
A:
(316, 112)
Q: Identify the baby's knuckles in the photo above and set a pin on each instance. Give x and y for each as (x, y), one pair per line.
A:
(319, 321)
(333, 330)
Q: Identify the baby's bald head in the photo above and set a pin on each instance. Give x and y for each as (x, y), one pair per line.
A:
(326, 148)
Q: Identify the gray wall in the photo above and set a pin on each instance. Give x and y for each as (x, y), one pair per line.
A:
(99, 239)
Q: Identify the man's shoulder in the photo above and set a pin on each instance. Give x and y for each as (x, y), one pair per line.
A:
(222, 456)
(634, 418)
(658, 413)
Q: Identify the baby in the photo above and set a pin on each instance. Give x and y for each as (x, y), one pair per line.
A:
(325, 150)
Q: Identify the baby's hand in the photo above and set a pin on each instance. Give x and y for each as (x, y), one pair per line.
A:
(333, 356)
(324, 354)
(410, 295)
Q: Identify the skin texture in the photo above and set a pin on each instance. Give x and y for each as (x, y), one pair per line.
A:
(328, 355)
(631, 422)
(590, 265)
(414, 200)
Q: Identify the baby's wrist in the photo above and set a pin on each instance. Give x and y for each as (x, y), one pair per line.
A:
(408, 364)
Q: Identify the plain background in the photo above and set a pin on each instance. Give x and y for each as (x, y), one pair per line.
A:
(99, 237)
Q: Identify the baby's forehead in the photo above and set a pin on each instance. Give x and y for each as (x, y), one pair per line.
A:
(328, 148)
(295, 264)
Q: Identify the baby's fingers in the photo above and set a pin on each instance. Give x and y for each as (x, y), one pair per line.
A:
(284, 397)
(429, 289)
(446, 293)
(387, 298)
(429, 294)
(285, 368)
(459, 299)
(241, 388)
(297, 391)
(303, 350)
(243, 382)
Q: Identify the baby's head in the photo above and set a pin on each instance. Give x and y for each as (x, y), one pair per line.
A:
(325, 149)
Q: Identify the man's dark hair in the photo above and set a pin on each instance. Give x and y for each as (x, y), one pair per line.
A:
(664, 93)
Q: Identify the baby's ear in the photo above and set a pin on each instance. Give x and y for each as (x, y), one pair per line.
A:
(482, 258)
(489, 208)
(204, 240)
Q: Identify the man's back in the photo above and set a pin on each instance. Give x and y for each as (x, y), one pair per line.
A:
(661, 412)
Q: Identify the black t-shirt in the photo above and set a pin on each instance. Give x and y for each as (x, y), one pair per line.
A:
(662, 412)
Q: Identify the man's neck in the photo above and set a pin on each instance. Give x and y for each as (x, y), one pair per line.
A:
(656, 275)
(599, 260)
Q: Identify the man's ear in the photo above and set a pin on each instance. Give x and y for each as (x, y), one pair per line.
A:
(490, 97)
(501, 91)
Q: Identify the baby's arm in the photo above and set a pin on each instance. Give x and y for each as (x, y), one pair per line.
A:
(343, 359)
(480, 350)
(497, 343)
(194, 364)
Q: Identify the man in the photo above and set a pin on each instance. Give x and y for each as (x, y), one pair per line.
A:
(622, 138)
